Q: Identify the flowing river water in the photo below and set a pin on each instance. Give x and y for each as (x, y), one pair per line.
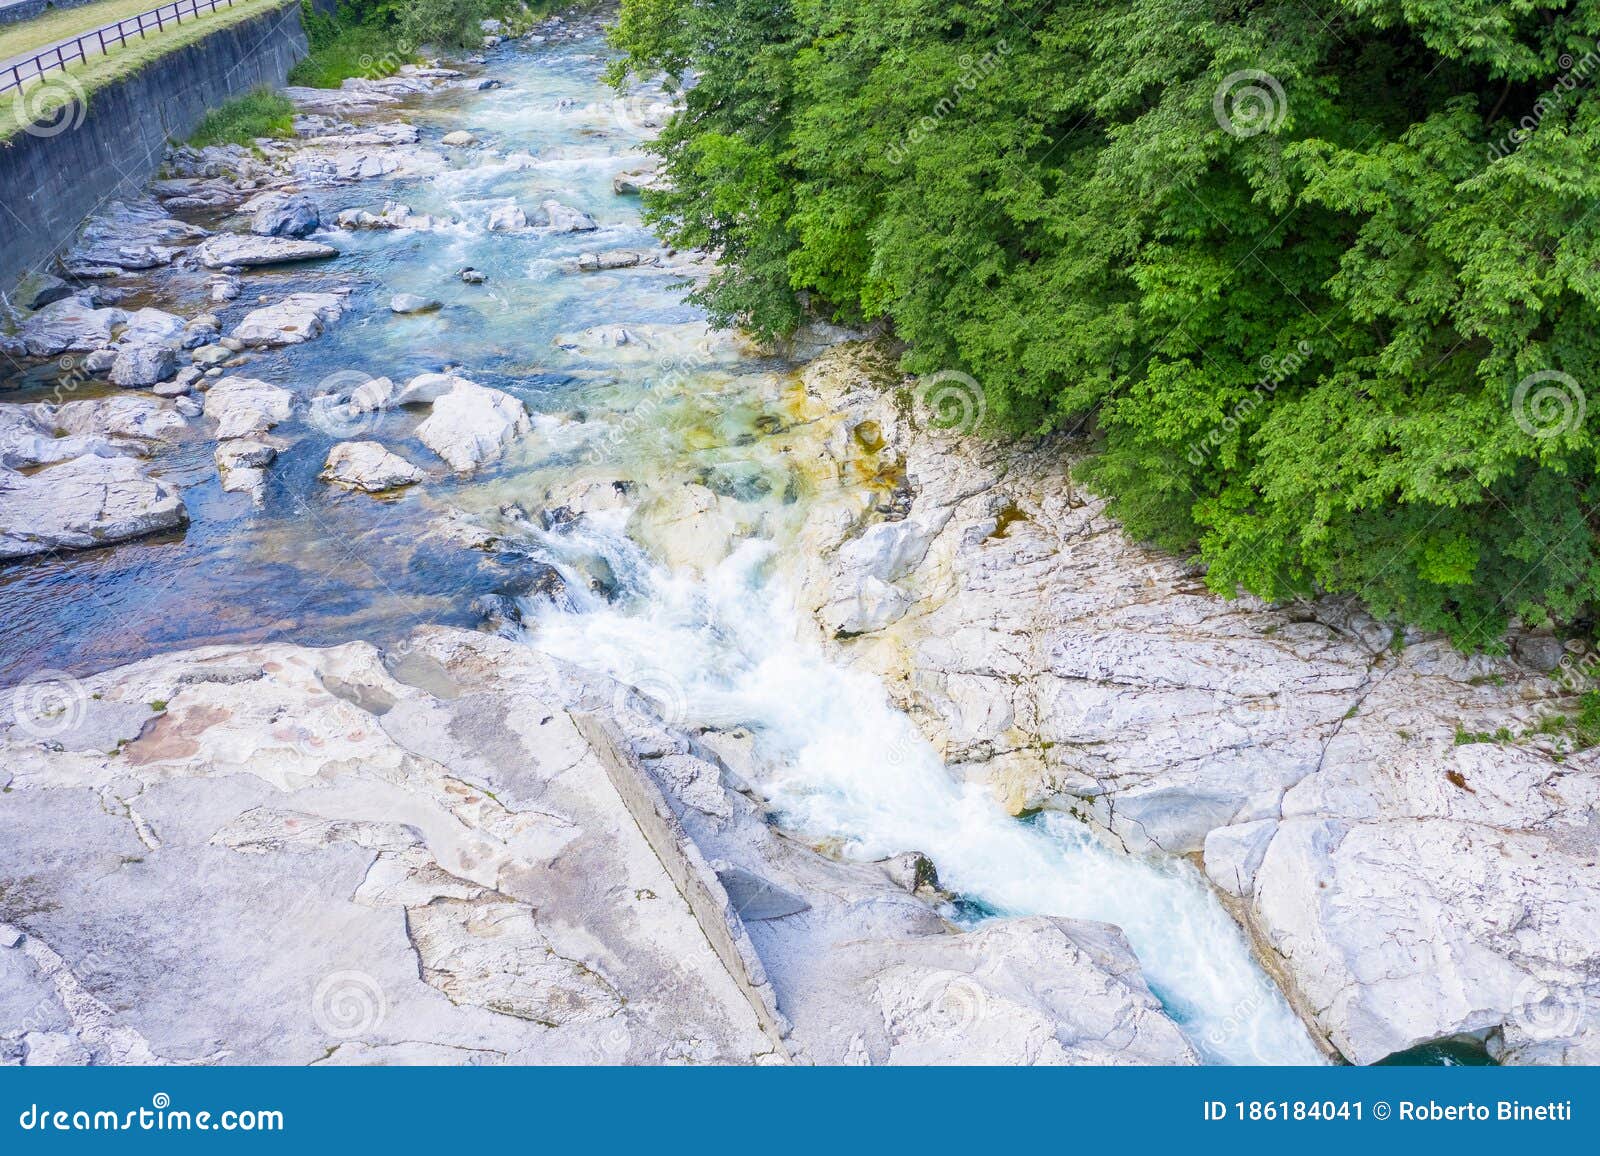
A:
(720, 646)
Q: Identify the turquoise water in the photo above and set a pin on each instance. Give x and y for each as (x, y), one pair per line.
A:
(720, 642)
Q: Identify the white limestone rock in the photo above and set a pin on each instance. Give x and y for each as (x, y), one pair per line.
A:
(143, 364)
(1411, 888)
(418, 857)
(299, 317)
(83, 503)
(472, 425)
(369, 466)
(565, 219)
(245, 407)
(242, 466)
(229, 250)
(71, 324)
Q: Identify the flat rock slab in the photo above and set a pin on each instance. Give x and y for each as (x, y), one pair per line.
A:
(238, 249)
(246, 407)
(414, 858)
(83, 503)
(299, 317)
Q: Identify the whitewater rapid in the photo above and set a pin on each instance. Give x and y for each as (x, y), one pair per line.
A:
(842, 763)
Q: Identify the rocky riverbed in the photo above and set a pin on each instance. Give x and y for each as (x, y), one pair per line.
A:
(412, 605)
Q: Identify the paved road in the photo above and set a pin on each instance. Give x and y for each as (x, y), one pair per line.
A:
(9, 15)
(92, 49)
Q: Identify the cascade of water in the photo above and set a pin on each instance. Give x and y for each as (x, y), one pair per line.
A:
(723, 650)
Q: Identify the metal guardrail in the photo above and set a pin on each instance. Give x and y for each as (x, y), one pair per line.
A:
(106, 38)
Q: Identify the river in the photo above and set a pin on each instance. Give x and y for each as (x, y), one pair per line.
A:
(716, 646)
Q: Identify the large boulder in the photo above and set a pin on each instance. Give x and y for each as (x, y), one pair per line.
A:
(70, 324)
(472, 425)
(79, 504)
(143, 364)
(227, 250)
(286, 216)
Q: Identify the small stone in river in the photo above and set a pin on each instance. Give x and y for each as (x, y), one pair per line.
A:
(461, 138)
(224, 288)
(368, 466)
(565, 219)
(412, 303)
(209, 355)
(911, 870)
(506, 219)
(99, 360)
(474, 276)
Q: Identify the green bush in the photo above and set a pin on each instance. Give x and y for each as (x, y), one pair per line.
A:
(262, 113)
(1319, 276)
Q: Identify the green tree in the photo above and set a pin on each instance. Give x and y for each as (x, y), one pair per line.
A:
(1319, 276)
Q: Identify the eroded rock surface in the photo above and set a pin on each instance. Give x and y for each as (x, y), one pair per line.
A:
(82, 503)
(459, 850)
(1413, 887)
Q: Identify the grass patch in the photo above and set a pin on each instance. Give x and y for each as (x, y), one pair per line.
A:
(28, 36)
(1583, 728)
(244, 118)
(101, 71)
(344, 46)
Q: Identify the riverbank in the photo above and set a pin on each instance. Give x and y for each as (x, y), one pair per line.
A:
(493, 550)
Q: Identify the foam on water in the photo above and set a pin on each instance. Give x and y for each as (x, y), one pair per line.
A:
(843, 762)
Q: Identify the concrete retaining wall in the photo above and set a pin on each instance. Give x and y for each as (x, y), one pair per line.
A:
(50, 183)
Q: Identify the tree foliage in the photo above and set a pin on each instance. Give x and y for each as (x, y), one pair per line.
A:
(1320, 275)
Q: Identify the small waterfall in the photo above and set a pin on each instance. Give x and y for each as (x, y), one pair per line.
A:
(723, 651)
